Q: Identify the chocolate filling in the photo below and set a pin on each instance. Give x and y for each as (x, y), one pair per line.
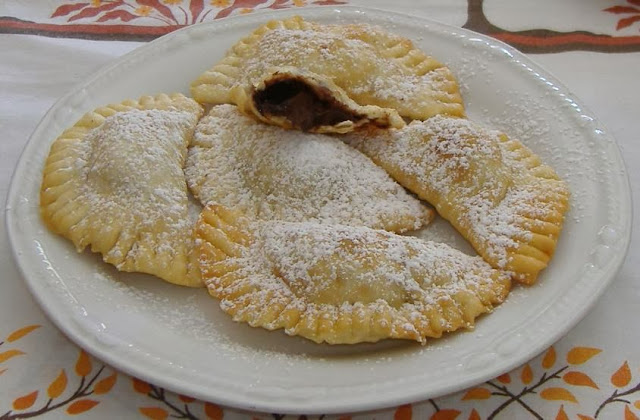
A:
(304, 106)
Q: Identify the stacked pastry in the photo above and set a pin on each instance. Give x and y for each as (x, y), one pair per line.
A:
(300, 166)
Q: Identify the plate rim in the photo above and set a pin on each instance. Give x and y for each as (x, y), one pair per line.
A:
(61, 320)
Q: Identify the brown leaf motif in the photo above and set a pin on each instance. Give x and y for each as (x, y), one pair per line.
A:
(549, 358)
(404, 412)
(57, 387)
(155, 413)
(561, 414)
(105, 385)
(527, 375)
(65, 9)
(81, 406)
(474, 415)
(141, 386)
(579, 379)
(580, 355)
(628, 414)
(504, 378)
(477, 394)
(19, 333)
(83, 365)
(213, 411)
(4, 356)
(445, 415)
(26, 401)
(622, 376)
(557, 394)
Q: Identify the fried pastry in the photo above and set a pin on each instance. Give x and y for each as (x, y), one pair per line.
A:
(114, 182)
(496, 192)
(364, 63)
(341, 284)
(274, 174)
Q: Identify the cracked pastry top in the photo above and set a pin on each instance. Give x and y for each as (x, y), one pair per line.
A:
(114, 181)
(495, 191)
(274, 174)
(357, 73)
(341, 284)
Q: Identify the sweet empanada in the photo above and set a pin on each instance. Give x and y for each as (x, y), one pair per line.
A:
(493, 190)
(115, 182)
(364, 63)
(273, 174)
(341, 284)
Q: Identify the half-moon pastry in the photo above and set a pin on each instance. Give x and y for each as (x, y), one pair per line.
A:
(496, 192)
(341, 284)
(115, 182)
(364, 63)
(273, 174)
(295, 99)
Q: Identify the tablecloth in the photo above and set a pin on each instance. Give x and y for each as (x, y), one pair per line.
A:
(594, 47)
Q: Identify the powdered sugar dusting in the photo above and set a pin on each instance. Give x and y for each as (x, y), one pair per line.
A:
(274, 174)
(357, 60)
(132, 171)
(462, 162)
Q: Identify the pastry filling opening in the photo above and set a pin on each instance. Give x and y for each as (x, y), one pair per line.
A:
(304, 106)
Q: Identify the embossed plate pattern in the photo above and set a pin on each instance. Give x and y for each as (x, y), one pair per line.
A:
(178, 338)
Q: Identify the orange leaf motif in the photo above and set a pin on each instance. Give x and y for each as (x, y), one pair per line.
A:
(561, 414)
(404, 412)
(474, 415)
(477, 394)
(105, 385)
(549, 358)
(26, 401)
(81, 406)
(58, 385)
(18, 334)
(636, 404)
(186, 399)
(583, 417)
(622, 376)
(9, 354)
(558, 394)
(579, 379)
(213, 411)
(154, 413)
(579, 355)
(628, 414)
(445, 415)
(83, 365)
(141, 386)
(527, 374)
(504, 378)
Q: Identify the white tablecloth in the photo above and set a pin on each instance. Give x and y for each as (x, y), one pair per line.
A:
(596, 366)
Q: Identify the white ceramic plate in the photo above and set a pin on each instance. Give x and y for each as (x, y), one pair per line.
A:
(179, 338)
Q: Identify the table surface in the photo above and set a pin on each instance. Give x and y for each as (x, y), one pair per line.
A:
(48, 47)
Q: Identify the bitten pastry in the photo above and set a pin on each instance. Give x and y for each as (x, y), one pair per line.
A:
(114, 181)
(492, 189)
(274, 174)
(324, 64)
(341, 284)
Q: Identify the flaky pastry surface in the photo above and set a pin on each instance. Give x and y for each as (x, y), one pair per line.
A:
(274, 174)
(341, 284)
(114, 181)
(371, 66)
(496, 192)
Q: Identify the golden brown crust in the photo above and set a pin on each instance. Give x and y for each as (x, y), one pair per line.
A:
(371, 66)
(492, 189)
(340, 284)
(114, 181)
